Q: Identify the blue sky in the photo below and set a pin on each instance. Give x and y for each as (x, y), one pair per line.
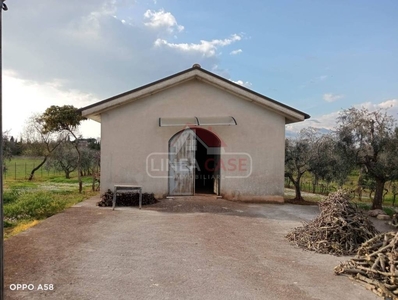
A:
(317, 56)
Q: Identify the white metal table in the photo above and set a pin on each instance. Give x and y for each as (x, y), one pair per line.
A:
(126, 188)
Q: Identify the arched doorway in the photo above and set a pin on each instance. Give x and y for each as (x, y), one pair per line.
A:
(194, 157)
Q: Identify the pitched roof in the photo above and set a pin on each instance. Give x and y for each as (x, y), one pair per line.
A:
(94, 111)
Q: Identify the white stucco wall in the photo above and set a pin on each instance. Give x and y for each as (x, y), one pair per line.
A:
(131, 132)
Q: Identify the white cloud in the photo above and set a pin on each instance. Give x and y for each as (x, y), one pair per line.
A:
(390, 105)
(329, 97)
(242, 83)
(94, 50)
(158, 19)
(235, 52)
(25, 98)
(329, 121)
(87, 54)
(206, 48)
(88, 25)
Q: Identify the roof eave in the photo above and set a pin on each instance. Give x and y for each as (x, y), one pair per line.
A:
(94, 111)
(141, 92)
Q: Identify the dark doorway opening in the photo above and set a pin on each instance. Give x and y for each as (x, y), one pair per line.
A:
(194, 160)
(207, 157)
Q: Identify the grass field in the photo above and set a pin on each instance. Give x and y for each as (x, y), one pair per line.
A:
(19, 168)
(350, 184)
(26, 202)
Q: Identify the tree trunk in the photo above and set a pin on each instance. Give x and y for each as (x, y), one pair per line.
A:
(298, 191)
(314, 184)
(297, 188)
(79, 169)
(79, 166)
(79, 161)
(67, 174)
(38, 167)
(378, 198)
(93, 183)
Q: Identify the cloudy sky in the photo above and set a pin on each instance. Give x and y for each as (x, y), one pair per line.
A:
(317, 56)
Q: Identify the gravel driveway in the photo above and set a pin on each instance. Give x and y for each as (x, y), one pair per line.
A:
(177, 249)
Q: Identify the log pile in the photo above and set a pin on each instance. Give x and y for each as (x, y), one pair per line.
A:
(340, 229)
(126, 199)
(375, 265)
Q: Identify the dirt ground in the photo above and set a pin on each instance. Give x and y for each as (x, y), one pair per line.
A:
(191, 248)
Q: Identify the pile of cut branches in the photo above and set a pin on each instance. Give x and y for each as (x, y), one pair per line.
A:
(340, 229)
(375, 265)
(126, 199)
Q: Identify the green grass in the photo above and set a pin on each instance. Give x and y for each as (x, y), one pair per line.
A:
(367, 206)
(62, 179)
(23, 206)
(20, 167)
(26, 203)
(34, 206)
(350, 184)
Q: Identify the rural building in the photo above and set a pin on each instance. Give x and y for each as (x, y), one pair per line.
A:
(194, 132)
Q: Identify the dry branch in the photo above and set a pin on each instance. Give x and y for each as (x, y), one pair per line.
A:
(375, 265)
(340, 229)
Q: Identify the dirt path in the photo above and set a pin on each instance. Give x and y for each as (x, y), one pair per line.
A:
(177, 249)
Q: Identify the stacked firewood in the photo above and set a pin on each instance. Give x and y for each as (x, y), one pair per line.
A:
(340, 229)
(126, 199)
(375, 265)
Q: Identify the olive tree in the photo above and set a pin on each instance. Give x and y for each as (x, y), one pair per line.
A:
(328, 161)
(370, 139)
(41, 141)
(7, 149)
(318, 154)
(65, 119)
(63, 158)
(298, 155)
